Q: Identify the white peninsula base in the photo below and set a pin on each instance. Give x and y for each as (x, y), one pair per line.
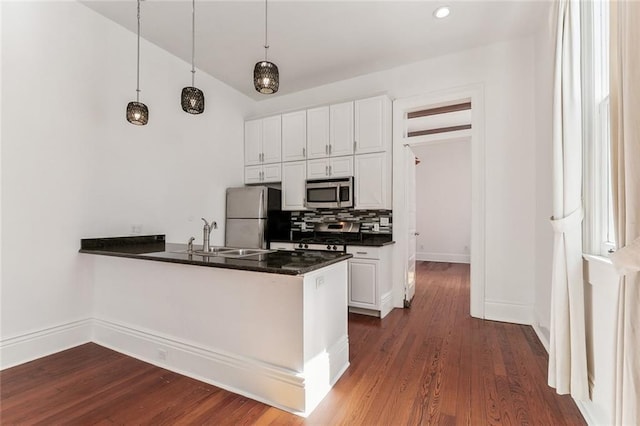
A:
(279, 339)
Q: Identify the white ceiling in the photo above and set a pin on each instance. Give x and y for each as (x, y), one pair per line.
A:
(319, 42)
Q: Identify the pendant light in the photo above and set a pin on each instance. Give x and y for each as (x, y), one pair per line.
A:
(192, 98)
(266, 78)
(137, 112)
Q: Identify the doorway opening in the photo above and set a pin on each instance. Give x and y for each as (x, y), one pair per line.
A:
(453, 116)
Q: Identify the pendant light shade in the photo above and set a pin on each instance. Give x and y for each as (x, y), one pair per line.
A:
(192, 99)
(137, 112)
(266, 77)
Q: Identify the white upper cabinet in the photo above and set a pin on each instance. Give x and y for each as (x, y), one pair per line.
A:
(335, 167)
(318, 132)
(372, 125)
(372, 181)
(263, 141)
(294, 136)
(272, 139)
(294, 176)
(263, 173)
(341, 129)
(252, 142)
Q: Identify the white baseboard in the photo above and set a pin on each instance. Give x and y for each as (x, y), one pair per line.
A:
(27, 347)
(508, 312)
(292, 391)
(386, 303)
(443, 257)
(541, 336)
(587, 413)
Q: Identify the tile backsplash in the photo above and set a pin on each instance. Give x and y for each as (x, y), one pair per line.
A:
(367, 218)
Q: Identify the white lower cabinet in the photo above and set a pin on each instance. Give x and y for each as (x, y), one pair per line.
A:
(264, 173)
(370, 291)
(294, 176)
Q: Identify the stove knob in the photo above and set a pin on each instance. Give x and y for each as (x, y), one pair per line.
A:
(300, 245)
(306, 246)
(329, 247)
(335, 247)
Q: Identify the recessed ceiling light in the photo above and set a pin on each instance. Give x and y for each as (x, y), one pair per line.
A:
(442, 12)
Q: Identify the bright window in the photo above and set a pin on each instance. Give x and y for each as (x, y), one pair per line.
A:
(599, 231)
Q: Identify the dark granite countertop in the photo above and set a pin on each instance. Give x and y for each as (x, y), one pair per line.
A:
(154, 247)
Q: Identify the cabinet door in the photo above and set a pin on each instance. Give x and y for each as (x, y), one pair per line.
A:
(252, 174)
(372, 181)
(272, 139)
(318, 169)
(341, 166)
(341, 129)
(294, 175)
(252, 142)
(363, 283)
(272, 173)
(294, 136)
(372, 125)
(318, 132)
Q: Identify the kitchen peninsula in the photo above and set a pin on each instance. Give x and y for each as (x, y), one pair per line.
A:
(270, 326)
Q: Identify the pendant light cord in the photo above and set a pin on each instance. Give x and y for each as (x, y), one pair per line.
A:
(138, 59)
(193, 42)
(266, 42)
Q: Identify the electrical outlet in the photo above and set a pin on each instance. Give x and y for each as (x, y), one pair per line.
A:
(162, 354)
(319, 281)
(303, 227)
(384, 221)
(376, 227)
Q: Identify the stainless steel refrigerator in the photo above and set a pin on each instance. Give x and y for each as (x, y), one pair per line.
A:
(255, 217)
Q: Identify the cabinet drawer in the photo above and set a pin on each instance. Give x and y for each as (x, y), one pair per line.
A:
(364, 252)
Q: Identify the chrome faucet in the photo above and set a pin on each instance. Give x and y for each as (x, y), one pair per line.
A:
(190, 245)
(207, 233)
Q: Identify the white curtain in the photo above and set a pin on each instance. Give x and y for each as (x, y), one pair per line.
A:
(568, 354)
(625, 143)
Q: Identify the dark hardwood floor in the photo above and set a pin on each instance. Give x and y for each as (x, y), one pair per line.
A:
(431, 364)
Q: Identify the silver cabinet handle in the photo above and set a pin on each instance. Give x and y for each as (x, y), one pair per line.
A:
(362, 252)
(354, 145)
(304, 152)
(326, 149)
(329, 149)
(326, 170)
(416, 233)
(330, 171)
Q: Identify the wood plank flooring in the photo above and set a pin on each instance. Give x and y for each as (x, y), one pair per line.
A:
(431, 364)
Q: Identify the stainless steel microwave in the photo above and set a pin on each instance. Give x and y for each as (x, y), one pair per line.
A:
(329, 193)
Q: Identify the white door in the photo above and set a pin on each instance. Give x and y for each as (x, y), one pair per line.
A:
(410, 200)
(318, 132)
(272, 139)
(294, 136)
(341, 166)
(371, 124)
(341, 129)
(372, 181)
(294, 175)
(252, 142)
(318, 169)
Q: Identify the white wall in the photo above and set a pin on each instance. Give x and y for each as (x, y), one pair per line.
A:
(443, 201)
(506, 71)
(544, 60)
(73, 167)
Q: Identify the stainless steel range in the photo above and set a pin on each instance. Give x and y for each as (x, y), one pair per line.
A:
(332, 236)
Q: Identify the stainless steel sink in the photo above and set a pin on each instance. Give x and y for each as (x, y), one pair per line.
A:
(243, 252)
(226, 252)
